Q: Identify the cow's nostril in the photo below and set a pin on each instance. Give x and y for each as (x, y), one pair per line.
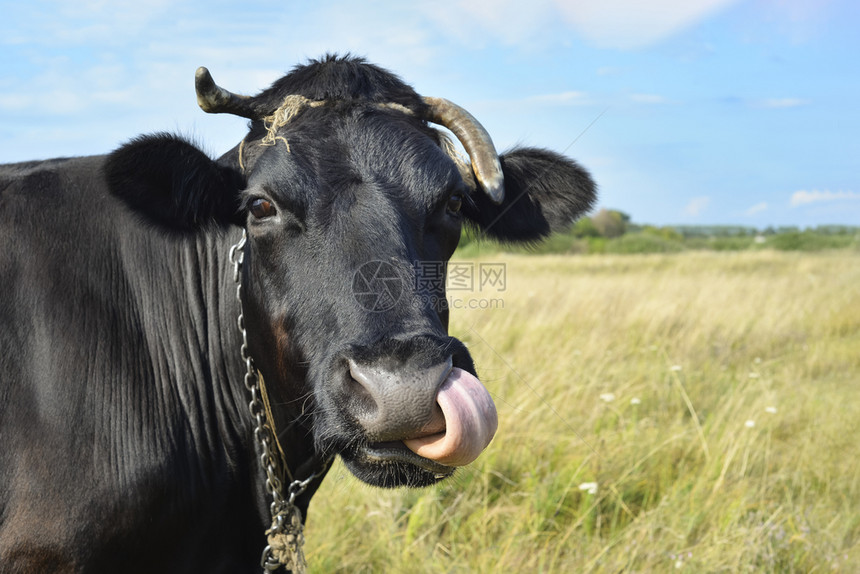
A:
(396, 404)
(360, 396)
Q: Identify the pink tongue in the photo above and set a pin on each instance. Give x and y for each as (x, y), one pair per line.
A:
(470, 422)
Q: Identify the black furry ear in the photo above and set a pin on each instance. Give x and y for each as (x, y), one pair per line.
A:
(173, 184)
(544, 192)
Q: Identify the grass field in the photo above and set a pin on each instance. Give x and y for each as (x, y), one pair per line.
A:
(711, 399)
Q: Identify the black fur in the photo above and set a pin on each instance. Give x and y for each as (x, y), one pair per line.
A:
(545, 192)
(340, 78)
(174, 184)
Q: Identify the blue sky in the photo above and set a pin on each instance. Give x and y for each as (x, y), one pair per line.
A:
(686, 112)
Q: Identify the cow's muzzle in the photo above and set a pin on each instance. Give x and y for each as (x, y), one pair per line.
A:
(442, 414)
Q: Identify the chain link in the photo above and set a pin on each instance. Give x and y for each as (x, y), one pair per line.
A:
(285, 537)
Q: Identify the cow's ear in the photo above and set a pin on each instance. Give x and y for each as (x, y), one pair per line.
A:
(544, 192)
(173, 184)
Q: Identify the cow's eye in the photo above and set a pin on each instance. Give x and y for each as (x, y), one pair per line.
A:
(261, 208)
(455, 202)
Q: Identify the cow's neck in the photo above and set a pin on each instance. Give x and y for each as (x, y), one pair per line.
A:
(293, 462)
(184, 292)
(177, 286)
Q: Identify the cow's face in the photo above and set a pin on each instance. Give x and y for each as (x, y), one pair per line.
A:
(346, 229)
(352, 210)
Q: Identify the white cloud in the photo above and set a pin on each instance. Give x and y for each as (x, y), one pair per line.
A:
(13, 102)
(564, 98)
(514, 22)
(784, 103)
(72, 22)
(697, 205)
(620, 24)
(757, 208)
(804, 197)
(648, 99)
(629, 24)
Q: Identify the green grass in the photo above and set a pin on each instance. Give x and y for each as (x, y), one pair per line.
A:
(705, 341)
(664, 240)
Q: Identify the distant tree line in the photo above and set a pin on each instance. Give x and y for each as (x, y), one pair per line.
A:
(612, 231)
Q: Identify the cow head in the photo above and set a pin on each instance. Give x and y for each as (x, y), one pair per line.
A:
(348, 193)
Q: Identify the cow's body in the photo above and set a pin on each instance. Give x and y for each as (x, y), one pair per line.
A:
(125, 439)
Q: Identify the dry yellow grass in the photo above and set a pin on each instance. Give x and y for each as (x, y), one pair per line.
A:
(714, 399)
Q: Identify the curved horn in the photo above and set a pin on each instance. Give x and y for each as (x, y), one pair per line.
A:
(475, 140)
(214, 99)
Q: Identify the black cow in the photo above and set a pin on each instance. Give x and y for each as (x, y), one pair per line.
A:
(126, 444)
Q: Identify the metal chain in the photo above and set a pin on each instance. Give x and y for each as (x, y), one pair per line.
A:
(285, 537)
